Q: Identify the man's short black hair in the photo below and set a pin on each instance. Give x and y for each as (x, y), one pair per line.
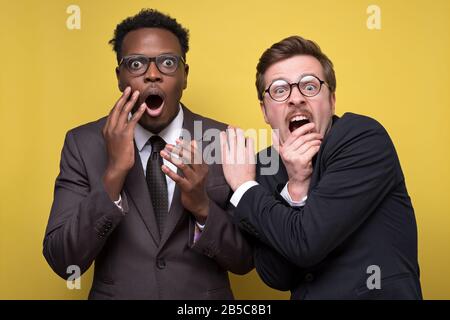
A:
(149, 18)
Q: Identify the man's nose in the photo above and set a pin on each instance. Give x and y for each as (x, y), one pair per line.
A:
(296, 97)
(153, 74)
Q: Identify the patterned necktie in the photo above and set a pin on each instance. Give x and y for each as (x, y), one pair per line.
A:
(156, 182)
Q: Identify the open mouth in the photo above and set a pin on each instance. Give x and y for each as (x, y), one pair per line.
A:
(154, 101)
(297, 121)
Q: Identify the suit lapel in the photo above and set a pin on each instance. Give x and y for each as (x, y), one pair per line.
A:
(137, 190)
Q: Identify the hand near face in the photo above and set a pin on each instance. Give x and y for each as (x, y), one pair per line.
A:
(192, 183)
(118, 133)
(238, 157)
(297, 153)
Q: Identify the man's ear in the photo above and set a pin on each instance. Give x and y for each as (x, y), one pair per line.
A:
(119, 83)
(263, 109)
(333, 102)
(186, 72)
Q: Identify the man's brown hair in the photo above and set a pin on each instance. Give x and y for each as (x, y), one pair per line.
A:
(287, 48)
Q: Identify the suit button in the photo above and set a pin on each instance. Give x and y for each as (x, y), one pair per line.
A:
(309, 277)
(160, 263)
(208, 253)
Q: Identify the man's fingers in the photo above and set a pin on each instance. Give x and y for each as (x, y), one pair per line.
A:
(179, 163)
(301, 154)
(115, 111)
(231, 144)
(235, 147)
(250, 151)
(304, 129)
(224, 147)
(311, 152)
(276, 143)
(196, 154)
(130, 104)
(240, 146)
(192, 155)
(190, 147)
(180, 181)
(122, 100)
(296, 144)
(299, 132)
(184, 154)
(123, 116)
(168, 154)
(306, 146)
(137, 116)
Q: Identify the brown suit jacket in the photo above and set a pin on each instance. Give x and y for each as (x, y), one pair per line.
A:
(131, 260)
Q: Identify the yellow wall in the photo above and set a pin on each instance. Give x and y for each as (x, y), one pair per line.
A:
(52, 79)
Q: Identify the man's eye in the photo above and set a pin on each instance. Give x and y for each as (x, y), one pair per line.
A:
(168, 63)
(310, 87)
(136, 64)
(280, 90)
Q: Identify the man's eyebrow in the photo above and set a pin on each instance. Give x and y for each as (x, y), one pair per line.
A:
(299, 77)
(280, 78)
(308, 74)
(163, 53)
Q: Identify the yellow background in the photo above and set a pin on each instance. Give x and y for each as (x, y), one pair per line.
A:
(53, 79)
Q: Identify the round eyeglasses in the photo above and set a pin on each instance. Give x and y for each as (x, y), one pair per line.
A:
(138, 64)
(280, 90)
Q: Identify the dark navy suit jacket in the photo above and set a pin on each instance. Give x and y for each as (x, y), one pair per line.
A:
(358, 214)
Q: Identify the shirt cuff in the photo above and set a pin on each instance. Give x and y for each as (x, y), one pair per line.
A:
(197, 231)
(285, 194)
(237, 195)
(200, 226)
(118, 203)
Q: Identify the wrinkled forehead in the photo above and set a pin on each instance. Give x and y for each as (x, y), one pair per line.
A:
(292, 69)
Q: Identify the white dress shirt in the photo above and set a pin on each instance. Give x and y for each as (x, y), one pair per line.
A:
(237, 195)
(170, 134)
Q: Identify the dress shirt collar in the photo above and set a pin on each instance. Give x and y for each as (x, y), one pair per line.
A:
(169, 133)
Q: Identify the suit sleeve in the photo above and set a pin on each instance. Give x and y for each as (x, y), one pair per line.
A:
(361, 169)
(274, 269)
(222, 241)
(82, 215)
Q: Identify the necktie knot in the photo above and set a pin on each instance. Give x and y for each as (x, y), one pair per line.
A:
(157, 143)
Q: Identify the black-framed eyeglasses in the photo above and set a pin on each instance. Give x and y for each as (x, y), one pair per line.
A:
(138, 64)
(309, 86)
